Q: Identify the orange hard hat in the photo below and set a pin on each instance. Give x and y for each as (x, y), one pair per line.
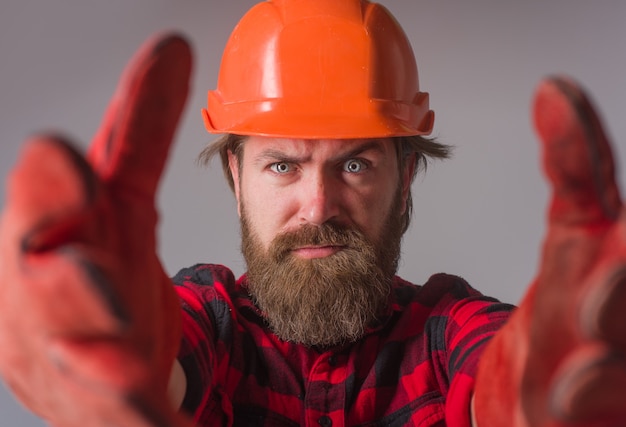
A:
(318, 69)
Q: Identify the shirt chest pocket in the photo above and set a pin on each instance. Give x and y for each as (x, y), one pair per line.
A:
(245, 416)
(427, 410)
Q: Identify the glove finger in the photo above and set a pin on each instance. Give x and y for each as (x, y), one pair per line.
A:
(602, 314)
(111, 369)
(577, 156)
(101, 364)
(50, 194)
(71, 295)
(48, 191)
(590, 388)
(131, 147)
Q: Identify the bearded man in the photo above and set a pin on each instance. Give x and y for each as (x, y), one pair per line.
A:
(319, 328)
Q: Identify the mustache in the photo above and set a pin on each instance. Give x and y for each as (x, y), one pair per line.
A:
(327, 234)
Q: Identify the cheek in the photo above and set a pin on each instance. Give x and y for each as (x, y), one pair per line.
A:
(371, 209)
(267, 211)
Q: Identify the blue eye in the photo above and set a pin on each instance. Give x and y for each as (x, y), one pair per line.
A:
(280, 167)
(354, 166)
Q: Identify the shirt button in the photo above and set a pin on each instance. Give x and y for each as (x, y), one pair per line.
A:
(332, 360)
(325, 421)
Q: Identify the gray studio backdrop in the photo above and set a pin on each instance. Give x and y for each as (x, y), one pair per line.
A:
(479, 215)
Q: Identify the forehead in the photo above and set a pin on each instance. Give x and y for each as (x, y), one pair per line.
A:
(255, 146)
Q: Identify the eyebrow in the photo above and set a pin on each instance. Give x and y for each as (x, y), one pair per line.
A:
(373, 145)
(274, 154)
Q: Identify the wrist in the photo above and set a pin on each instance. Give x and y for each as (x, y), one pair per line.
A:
(177, 386)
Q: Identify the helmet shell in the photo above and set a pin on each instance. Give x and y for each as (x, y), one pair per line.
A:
(318, 69)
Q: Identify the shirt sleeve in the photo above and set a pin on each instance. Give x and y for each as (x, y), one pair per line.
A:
(207, 327)
(471, 320)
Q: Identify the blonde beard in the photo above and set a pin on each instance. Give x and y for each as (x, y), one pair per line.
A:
(324, 301)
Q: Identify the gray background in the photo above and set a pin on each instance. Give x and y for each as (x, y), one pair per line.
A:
(479, 215)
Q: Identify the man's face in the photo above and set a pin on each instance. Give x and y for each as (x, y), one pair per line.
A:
(321, 230)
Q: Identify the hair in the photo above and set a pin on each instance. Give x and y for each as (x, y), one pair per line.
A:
(416, 147)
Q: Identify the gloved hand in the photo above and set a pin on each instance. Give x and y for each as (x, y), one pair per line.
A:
(561, 358)
(89, 321)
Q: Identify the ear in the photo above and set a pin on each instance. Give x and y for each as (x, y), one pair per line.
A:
(407, 178)
(233, 165)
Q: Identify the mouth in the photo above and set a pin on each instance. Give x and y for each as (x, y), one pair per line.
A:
(312, 252)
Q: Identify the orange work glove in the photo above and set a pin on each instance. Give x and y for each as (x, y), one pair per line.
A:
(561, 359)
(89, 321)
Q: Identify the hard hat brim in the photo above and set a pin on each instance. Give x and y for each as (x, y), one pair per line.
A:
(270, 118)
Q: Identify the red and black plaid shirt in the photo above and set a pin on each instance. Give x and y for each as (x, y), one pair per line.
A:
(416, 368)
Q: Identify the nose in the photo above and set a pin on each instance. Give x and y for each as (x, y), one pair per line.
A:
(319, 199)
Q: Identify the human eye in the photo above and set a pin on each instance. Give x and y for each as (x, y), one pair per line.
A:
(280, 167)
(354, 166)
